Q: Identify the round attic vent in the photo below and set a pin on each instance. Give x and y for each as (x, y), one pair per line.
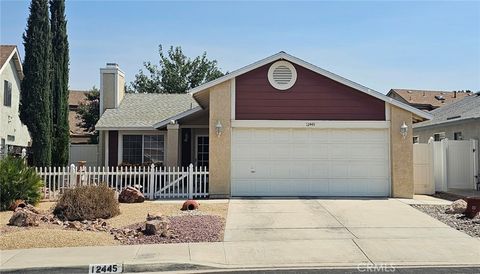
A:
(282, 75)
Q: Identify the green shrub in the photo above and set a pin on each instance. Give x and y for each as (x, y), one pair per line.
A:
(87, 203)
(18, 181)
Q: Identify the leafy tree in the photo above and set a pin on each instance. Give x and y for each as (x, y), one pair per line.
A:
(176, 73)
(89, 113)
(60, 60)
(36, 94)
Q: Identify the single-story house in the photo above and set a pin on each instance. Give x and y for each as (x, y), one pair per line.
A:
(14, 135)
(457, 121)
(426, 99)
(277, 127)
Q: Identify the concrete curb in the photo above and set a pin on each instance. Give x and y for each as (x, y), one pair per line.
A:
(145, 267)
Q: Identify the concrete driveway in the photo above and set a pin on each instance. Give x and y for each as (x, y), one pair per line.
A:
(344, 231)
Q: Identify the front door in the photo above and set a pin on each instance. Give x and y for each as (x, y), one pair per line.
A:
(202, 150)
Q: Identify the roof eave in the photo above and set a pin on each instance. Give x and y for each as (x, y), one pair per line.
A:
(177, 116)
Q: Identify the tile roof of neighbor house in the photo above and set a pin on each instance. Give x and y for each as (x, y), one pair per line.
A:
(145, 110)
(75, 97)
(467, 108)
(5, 52)
(427, 97)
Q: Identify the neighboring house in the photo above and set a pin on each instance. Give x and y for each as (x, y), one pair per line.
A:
(78, 135)
(278, 127)
(14, 136)
(426, 99)
(457, 121)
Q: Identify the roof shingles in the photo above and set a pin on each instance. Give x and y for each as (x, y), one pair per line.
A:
(140, 110)
(467, 108)
(427, 97)
(5, 52)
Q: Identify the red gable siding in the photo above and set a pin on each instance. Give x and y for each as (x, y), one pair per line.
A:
(313, 97)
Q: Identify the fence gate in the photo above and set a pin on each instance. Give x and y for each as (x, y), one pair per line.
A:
(423, 175)
(461, 164)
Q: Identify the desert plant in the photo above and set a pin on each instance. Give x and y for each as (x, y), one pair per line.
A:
(87, 203)
(18, 181)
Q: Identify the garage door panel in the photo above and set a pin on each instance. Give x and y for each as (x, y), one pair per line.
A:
(281, 136)
(242, 136)
(310, 162)
(375, 151)
(339, 151)
(319, 151)
(300, 151)
(261, 136)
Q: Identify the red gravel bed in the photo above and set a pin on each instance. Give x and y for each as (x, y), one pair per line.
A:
(186, 229)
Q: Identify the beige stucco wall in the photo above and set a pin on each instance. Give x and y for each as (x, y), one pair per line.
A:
(10, 123)
(172, 147)
(220, 146)
(108, 91)
(401, 153)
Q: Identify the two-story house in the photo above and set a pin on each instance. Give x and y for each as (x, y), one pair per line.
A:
(14, 135)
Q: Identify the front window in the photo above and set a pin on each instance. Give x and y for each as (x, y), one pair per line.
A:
(153, 148)
(7, 93)
(139, 149)
(439, 136)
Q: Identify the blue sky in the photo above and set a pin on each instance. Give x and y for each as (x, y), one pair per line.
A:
(382, 45)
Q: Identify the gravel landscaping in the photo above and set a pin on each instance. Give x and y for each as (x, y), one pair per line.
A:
(205, 224)
(457, 221)
(185, 229)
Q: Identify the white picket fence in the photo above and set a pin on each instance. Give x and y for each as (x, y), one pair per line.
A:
(154, 182)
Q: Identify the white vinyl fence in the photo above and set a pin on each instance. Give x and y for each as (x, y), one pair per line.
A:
(423, 177)
(154, 182)
(454, 165)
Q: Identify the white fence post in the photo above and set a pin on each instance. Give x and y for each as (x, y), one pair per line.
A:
(152, 181)
(190, 181)
(73, 176)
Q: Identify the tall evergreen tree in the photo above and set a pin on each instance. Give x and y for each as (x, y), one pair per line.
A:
(36, 95)
(60, 61)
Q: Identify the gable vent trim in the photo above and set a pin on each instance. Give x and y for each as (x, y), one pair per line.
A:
(282, 75)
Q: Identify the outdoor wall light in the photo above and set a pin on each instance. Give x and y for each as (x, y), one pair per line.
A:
(404, 130)
(219, 128)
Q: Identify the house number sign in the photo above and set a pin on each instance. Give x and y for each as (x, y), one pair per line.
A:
(310, 124)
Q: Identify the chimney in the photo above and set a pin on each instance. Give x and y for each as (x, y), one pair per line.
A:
(112, 86)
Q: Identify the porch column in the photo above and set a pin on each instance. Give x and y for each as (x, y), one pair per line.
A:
(172, 145)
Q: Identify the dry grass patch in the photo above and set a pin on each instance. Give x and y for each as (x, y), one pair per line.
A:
(43, 238)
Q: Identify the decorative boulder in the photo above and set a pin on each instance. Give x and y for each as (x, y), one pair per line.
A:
(16, 204)
(155, 216)
(24, 217)
(457, 207)
(160, 227)
(131, 195)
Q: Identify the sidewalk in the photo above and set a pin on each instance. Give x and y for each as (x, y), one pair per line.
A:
(312, 253)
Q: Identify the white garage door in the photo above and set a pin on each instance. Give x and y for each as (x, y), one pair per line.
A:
(310, 162)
